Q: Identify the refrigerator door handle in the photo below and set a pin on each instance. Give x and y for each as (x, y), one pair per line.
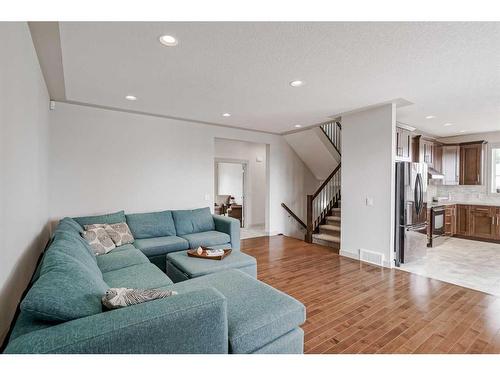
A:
(418, 194)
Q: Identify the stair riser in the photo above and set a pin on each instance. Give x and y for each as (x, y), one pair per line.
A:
(333, 222)
(330, 232)
(333, 245)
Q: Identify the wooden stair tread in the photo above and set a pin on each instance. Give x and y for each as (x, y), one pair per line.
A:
(333, 218)
(326, 237)
(336, 209)
(329, 227)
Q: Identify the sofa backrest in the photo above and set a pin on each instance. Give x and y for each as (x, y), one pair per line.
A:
(193, 221)
(151, 224)
(69, 284)
(113, 218)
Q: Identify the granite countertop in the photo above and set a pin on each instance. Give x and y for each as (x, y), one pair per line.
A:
(472, 203)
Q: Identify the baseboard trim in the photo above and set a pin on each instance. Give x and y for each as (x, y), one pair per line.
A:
(350, 254)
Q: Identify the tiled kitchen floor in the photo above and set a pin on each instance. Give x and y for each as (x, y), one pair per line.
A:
(471, 264)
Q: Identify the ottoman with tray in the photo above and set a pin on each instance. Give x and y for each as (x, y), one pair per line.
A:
(181, 267)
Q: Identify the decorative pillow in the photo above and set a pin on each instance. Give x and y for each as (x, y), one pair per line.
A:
(119, 233)
(99, 240)
(122, 297)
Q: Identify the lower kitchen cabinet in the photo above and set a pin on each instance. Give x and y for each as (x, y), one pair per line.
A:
(475, 222)
(483, 222)
(462, 220)
(450, 222)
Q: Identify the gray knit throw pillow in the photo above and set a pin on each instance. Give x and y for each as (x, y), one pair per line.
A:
(121, 297)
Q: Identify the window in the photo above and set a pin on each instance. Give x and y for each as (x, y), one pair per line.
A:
(495, 175)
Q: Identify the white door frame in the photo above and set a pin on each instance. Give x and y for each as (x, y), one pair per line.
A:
(245, 165)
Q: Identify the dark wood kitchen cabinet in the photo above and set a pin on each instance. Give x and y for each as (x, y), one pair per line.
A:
(471, 163)
(483, 222)
(497, 221)
(462, 220)
(450, 220)
(403, 144)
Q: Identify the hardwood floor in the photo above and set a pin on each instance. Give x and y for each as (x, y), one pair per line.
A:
(353, 307)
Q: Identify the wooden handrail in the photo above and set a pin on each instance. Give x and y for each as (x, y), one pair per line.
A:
(326, 181)
(292, 214)
(331, 142)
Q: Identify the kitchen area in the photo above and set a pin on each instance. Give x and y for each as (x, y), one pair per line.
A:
(448, 208)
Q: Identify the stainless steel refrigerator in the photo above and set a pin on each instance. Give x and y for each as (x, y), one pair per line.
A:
(411, 212)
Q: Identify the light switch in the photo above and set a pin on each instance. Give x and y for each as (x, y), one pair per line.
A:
(369, 201)
(207, 197)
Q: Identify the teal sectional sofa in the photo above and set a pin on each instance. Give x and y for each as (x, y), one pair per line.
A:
(221, 312)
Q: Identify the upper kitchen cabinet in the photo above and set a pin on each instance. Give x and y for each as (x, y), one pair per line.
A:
(451, 165)
(403, 144)
(427, 151)
(463, 163)
(471, 163)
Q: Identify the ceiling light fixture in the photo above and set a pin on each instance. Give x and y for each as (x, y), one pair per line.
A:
(448, 124)
(298, 126)
(297, 83)
(131, 97)
(168, 40)
(462, 131)
(430, 117)
(226, 115)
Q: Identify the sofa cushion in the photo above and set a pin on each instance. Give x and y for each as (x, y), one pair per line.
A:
(257, 313)
(68, 225)
(76, 247)
(113, 218)
(151, 224)
(115, 260)
(65, 290)
(161, 245)
(196, 267)
(193, 221)
(210, 238)
(141, 276)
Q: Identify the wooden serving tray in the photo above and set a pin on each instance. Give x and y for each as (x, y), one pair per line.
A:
(194, 254)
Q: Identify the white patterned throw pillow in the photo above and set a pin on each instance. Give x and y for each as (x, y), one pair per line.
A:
(122, 297)
(120, 233)
(98, 239)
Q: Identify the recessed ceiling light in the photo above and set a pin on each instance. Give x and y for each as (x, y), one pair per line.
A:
(429, 117)
(462, 131)
(226, 115)
(448, 124)
(298, 126)
(131, 97)
(168, 40)
(297, 83)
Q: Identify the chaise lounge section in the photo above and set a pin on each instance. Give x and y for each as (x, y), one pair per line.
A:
(225, 310)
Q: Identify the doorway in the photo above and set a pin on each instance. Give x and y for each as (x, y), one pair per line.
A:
(230, 188)
(241, 184)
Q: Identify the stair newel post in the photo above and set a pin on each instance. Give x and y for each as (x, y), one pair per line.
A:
(309, 221)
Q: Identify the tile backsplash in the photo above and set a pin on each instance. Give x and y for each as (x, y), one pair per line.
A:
(462, 193)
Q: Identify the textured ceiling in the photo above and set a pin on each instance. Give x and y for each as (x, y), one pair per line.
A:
(449, 70)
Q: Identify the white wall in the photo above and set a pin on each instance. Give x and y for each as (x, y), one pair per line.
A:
(368, 172)
(256, 175)
(103, 160)
(23, 165)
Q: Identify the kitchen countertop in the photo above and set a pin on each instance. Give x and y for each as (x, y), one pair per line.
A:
(472, 203)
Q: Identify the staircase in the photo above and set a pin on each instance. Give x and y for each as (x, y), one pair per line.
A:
(323, 207)
(329, 232)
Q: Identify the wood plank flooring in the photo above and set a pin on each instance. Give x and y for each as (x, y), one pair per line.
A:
(353, 307)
